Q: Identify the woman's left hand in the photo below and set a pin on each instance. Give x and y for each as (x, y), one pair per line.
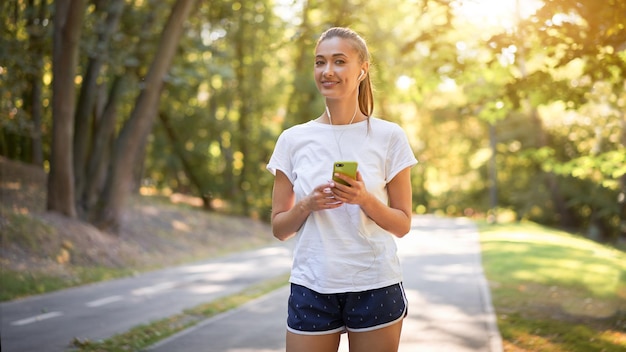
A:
(355, 193)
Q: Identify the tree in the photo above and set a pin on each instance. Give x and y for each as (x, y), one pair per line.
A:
(241, 75)
(132, 138)
(67, 29)
(85, 119)
(582, 45)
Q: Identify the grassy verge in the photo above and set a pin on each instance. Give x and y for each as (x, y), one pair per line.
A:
(553, 291)
(143, 336)
(44, 252)
(17, 284)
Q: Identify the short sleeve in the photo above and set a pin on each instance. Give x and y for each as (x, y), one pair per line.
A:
(281, 158)
(400, 155)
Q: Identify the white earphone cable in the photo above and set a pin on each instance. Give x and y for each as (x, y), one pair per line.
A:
(348, 216)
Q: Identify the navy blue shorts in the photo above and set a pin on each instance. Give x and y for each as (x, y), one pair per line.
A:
(313, 313)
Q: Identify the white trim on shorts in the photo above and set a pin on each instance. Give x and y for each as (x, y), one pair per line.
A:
(384, 325)
(341, 329)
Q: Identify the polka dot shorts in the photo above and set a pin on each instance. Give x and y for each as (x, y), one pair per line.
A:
(314, 313)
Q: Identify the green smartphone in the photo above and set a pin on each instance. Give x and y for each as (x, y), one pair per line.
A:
(347, 168)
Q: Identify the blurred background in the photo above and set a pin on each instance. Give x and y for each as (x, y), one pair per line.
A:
(514, 108)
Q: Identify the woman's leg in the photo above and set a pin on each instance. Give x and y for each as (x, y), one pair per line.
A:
(312, 343)
(386, 339)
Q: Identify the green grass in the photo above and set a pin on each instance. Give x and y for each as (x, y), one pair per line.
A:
(16, 284)
(554, 291)
(24, 230)
(549, 335)
(34, 236)
(21, 284)
(143, 336)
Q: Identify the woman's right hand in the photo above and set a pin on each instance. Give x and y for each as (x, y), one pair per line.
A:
(287, 215)
(322, 198)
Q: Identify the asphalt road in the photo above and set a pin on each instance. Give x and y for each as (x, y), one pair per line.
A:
(449, 302)
(50, 322)
(450, 306)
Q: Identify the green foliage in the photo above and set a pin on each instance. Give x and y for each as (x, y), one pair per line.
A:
(550, 84)
(216, 111)
(24, 32)
(603, 169)
(571, 60)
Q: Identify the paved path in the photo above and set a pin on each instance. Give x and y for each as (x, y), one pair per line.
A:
(449, 302)
(48, 323)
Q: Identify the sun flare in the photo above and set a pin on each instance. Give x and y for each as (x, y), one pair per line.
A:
(496, 13)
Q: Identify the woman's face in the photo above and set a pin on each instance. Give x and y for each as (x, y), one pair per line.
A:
(337, 68)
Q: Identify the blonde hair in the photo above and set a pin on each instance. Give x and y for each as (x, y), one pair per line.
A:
(366, 97)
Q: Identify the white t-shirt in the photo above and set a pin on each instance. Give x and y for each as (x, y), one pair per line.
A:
(342, 250)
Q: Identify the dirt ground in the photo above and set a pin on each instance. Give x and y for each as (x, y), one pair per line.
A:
(154, 232)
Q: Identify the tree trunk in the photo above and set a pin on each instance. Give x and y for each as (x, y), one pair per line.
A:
(133, 135)
(101, 149)
(89, 89)
(67, 30)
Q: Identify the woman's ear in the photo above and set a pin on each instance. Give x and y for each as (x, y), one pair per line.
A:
(364, 70)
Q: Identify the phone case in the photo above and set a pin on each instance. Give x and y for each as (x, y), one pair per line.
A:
(347, 168)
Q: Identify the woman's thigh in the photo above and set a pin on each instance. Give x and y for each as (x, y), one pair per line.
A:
(312, 343)
(386, 339)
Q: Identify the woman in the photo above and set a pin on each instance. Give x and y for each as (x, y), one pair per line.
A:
(346, 276)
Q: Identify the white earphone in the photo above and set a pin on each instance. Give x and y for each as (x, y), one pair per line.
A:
(361, 75)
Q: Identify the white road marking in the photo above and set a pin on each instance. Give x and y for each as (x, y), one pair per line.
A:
(103, 301)
(154, 289)
(37, 318)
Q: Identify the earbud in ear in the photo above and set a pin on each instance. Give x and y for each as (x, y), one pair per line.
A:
(361, 75)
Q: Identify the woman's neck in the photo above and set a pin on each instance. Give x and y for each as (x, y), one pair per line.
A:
(342, 114)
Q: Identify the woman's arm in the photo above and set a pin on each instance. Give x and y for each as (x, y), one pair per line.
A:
(287, 215)
(395, 217)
